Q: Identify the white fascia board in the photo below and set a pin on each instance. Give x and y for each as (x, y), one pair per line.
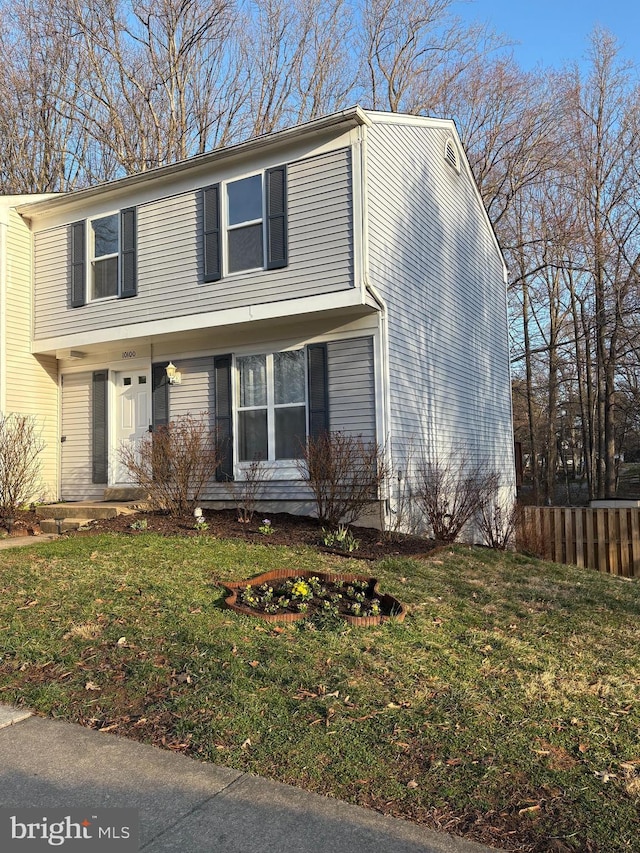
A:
(207, 320)
(8, 202)
(340, 121)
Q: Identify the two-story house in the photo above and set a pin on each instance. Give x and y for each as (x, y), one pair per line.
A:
(340, 274)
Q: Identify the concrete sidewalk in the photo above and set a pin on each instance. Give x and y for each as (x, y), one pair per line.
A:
(186, 805)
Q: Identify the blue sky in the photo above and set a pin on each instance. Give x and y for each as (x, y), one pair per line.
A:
(555, 32)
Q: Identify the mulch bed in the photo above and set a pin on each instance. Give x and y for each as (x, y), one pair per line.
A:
(290, 530)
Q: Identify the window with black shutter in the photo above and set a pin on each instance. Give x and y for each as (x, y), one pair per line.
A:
(244, 224)
(103, 258)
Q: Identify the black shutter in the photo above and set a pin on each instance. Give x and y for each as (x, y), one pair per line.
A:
(211, 233)
(128, 265)
(224, 415)
(159, 395)
(99, 427)
(318, 389)
(78, 278)
(276, 217)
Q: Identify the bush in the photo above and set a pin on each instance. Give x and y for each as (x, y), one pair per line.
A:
(345, 474)
(175, 463)
(449, 492)
(20, 449)
(495, 519)
(247, 491)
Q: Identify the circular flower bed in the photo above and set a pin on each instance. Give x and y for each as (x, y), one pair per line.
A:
(287, 596)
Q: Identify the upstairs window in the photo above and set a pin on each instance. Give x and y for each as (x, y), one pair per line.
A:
(104, 249)
(244, 224)
(103, 254)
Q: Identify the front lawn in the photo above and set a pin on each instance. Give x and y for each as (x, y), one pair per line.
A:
(504, 708)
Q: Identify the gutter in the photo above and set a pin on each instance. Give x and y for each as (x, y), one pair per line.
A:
(351, 117)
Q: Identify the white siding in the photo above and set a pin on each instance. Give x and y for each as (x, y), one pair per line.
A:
(433, 259)
(31, 382)
(320, 233)
(76, 447)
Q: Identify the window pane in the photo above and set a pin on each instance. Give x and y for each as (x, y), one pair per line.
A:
(245, 200)
(105, 236)
(253, 380)
(252, 427)
(105, 278)
(288, 377)
(245, 248)
(290, 432)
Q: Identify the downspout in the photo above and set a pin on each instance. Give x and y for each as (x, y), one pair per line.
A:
(382, 318)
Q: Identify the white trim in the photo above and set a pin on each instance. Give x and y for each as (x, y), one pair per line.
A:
(4, 233)
(208, 320)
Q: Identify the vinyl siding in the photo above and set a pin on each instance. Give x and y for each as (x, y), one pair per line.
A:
(351, 404)
(31, 382)
(76, 448)
(433, 259)
(351, 387)
(320, 234)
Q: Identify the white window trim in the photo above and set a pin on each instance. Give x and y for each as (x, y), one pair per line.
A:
(226, 227)
(89, 243)
(278, 469)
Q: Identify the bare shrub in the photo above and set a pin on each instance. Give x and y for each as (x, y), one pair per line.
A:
(345, 474)
(175, 463)
(20, 449)
(449, 490)
(247, 491)
(495, 519)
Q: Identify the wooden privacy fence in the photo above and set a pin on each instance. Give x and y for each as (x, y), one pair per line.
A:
(603, 539)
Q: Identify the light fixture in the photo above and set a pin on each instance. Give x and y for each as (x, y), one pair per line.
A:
(173, 375)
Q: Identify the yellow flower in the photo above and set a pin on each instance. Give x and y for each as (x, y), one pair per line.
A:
(301, 589)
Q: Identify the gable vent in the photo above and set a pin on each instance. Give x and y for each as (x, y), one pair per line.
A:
(451, 154)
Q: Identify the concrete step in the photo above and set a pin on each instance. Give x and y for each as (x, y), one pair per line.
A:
(84, 510)
(124, 493)
(77, 510)
(53, 525)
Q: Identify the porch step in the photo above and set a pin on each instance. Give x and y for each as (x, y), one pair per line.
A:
(53, 525)
(59, 518)
(124, 493)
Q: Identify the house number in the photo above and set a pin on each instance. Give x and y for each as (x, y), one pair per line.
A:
(129, 354)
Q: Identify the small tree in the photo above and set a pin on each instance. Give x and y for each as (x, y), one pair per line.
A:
(345, 474)
(175, 464)
(449, 490)
(20, 449)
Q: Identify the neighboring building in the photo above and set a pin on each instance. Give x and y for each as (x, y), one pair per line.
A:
(340, 274)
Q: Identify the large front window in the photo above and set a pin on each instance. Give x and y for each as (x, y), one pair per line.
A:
(272, 411)
(104, 246)
(244, 224)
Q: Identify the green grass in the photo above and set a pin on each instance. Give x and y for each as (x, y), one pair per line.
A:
(504, 708)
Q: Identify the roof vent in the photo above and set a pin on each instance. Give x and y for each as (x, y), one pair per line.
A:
(451, 154)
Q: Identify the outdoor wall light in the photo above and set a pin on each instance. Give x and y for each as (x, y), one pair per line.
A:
(173, 374)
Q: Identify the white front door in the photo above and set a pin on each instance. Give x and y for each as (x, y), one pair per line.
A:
(133, 413)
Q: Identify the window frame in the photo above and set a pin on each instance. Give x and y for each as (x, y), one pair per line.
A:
(279, 468)
(91, 257)
(227, 228)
